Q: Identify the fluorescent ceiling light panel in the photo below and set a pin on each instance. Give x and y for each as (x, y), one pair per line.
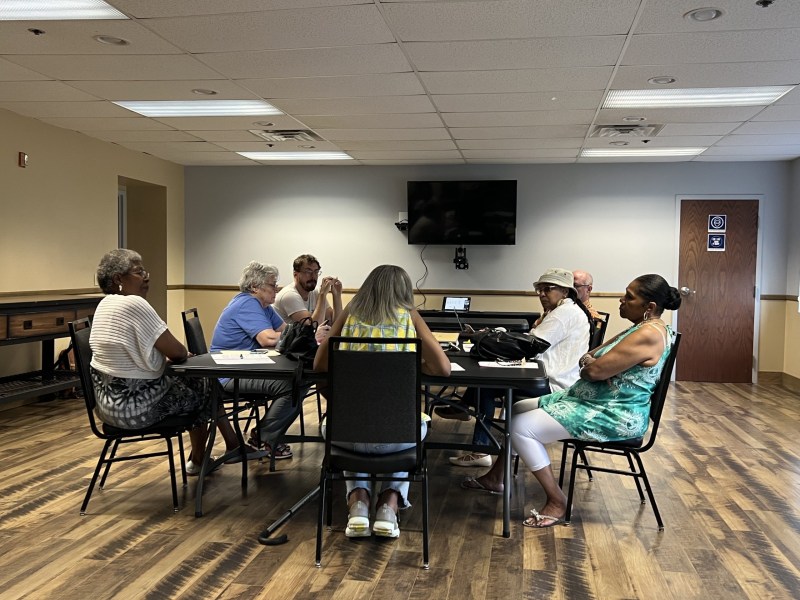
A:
(296, 155)
(605, 152)
(696, 97)
(57, 10)
(200, 108)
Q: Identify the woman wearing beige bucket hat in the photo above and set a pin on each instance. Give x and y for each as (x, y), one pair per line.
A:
(563, 330)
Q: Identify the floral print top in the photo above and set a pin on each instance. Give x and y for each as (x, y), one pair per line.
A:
(615, 409)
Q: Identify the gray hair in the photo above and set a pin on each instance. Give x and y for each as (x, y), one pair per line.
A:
(255, 275)
(115, 262)
(386, 288)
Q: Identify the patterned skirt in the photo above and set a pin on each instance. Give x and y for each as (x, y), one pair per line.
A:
(139, 403)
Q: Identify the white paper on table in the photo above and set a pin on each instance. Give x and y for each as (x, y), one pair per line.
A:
(527, 365)
(455, 367)
(241, 357)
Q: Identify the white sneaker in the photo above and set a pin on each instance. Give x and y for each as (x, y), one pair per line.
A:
(473, 459)
(385, 524)
(358, 521)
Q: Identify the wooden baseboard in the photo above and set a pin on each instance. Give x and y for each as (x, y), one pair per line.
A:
(790, 382)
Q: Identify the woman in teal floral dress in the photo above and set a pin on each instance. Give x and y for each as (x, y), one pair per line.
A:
(611, 401)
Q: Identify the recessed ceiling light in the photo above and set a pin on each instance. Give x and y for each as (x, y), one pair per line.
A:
(703, 14)
(306, 146)
(633, 119)
(605, 152)
(57, 10)
(662, 80)
(618, 143)
(264, 124)
(204, 92)
(296, 155)
(200, 108)
(110, 40)
(696, 97)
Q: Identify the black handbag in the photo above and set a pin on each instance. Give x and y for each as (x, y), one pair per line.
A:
(298, 341)
(506, 345)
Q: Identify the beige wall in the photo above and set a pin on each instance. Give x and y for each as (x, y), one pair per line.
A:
(791, 353)
(60, 213)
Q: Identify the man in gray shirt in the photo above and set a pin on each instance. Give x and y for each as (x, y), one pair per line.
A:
(301, 299)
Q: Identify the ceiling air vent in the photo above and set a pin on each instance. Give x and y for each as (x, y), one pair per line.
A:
(286, 135)
(626, 130)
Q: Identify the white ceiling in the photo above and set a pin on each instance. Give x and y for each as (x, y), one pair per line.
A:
(411, 81)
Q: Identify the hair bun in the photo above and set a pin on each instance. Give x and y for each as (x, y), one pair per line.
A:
(673, 301)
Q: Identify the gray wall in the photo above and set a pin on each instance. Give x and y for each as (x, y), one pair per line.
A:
(616, 220)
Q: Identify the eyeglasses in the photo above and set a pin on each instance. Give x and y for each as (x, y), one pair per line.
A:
(141, 273)
(274, 286)
(583, 285)
(544, 289)
(314, 272)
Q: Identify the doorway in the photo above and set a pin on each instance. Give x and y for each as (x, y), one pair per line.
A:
(717, 270)
(143, 227)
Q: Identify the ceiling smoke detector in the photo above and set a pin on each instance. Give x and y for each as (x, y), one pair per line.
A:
(629, 130)
(286, 135)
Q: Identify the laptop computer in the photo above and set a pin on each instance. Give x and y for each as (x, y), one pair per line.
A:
(456, 303)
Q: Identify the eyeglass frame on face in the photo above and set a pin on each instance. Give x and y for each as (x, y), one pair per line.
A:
(545, 289)
(273, 285)
(307, 271)
(580, 285)
(144, 274)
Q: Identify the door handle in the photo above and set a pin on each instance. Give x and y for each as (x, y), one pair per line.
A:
(685, 291)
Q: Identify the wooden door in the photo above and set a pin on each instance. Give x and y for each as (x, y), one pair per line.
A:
(718, 292)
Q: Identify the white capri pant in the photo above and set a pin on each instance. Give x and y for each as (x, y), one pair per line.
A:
(531, 428)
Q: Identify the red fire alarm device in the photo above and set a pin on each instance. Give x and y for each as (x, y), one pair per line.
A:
(23, 160)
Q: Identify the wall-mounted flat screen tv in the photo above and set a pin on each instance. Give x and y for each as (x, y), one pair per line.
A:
(462, 212)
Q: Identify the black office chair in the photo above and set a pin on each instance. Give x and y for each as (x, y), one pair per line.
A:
(172, 427)
(374, 397)
(599, 331)
(631, 449)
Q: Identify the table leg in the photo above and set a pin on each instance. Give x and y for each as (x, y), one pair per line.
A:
(507, 466)
(237, 428)
(212, 431)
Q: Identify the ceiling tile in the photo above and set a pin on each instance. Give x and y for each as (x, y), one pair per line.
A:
(740, 74)
(143, 136)
(541, 153)
(781, 150)
(674, 129)
(371, 121)
(769, 128)
(309, 62)
(77, 37)
(11, 72)
(405, 154)
(784, 139)
(177, 8)
(517, 102)
(155, 147)
(783, 112)
(355, 106)
(516, 80)
(32, 91)
(505, 19)
(367, 146)
(713, 47)
(66, 109)
(515, 54)
(164, 90)
(280, 29)
(536, 132)
(383, 84)
(428, 161)
(509, 119)
(659, 141)
(663, 17)
(124, 124)
(520, 144)
(343, 135)
(519, 161)
(126, 68)
(288, 146)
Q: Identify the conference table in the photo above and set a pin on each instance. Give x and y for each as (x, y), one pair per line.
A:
(467, 371)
